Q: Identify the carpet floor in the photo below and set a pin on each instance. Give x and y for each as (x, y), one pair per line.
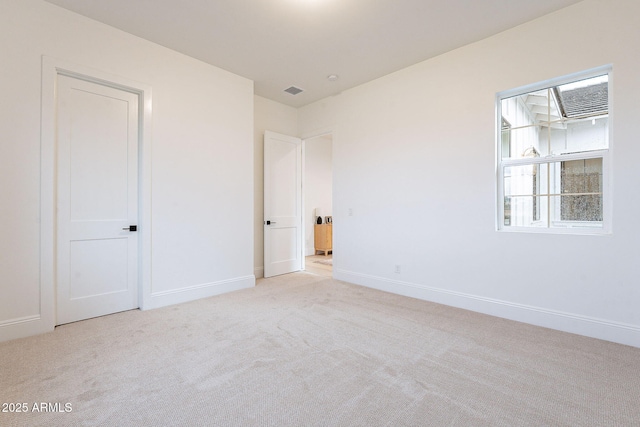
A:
(304, 350)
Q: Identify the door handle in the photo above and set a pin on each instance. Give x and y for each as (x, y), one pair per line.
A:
(269, 222)
(131, 228)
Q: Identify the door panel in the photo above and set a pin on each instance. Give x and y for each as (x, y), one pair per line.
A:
(108, 275)
(98, 157)
(97, 199)
(282, 204)
(282, 246)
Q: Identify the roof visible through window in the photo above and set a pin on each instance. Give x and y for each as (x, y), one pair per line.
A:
(585, 98)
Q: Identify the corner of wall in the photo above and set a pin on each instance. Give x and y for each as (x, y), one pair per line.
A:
(206, 290)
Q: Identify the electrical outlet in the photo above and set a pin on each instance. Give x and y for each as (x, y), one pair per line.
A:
(397, 269)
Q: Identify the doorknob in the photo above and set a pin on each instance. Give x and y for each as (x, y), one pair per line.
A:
(131, 228)
(269, 222)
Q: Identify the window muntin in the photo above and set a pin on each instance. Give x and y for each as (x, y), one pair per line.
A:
(552, 154)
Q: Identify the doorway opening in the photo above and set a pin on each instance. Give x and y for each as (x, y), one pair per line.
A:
(318, 205)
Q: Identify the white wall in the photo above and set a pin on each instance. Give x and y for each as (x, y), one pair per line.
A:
(202, 175)
(275, 117)
(423, 191)
(318, 183)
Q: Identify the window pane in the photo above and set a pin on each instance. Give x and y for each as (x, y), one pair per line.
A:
(522, 180)
(527, 109)
(531, 141)
(581, 208)
(523, 203)
(581, 184)
(584, 98)
(505, 138)
(524, 211)
(576, 211)
(581, 176)
(568, 118)
(573, 136)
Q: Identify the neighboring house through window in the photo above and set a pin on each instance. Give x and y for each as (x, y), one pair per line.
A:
(553, 149)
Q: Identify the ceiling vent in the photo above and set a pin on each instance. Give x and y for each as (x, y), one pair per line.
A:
(293, 90)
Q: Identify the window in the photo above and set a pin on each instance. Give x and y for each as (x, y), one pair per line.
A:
(553, 147)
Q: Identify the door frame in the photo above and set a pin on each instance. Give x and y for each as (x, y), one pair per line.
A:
(302, 199)
(51, 69)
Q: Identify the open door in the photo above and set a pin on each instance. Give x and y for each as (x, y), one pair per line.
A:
(282, 204)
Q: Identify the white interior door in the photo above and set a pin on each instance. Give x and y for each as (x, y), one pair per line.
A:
(282, 204)
(97, 200)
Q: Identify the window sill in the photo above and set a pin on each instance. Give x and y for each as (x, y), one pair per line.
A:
(564, 229)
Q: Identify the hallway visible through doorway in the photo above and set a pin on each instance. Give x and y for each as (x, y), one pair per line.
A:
(320, 265)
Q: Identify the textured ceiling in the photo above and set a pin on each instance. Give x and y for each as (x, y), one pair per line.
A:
(283, 43)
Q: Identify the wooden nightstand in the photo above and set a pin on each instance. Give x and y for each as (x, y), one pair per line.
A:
(323, 238)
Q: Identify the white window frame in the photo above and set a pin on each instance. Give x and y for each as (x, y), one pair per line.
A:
(568, 227)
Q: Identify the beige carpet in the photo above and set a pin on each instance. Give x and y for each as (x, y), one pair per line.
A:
(304, 350)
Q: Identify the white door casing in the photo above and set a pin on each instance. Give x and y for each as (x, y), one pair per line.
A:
(97, 199)
(282, 204)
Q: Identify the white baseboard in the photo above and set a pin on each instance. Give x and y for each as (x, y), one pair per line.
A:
(23, 327)
(258, 272)
(621, 333)
(34, 325)
(192, 293)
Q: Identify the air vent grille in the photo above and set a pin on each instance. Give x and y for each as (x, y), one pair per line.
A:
(293, 90)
